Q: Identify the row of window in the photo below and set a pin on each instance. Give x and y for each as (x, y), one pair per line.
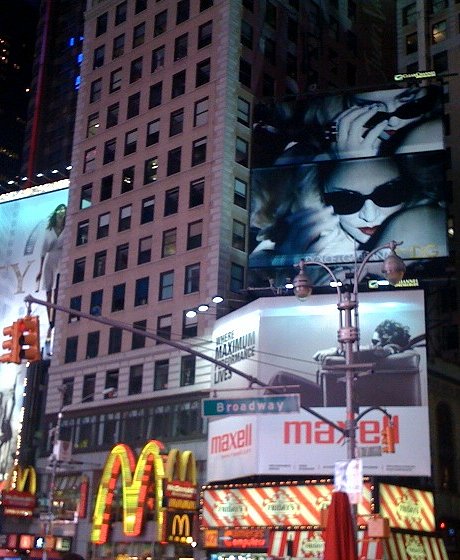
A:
(438, 35)
(410, 13)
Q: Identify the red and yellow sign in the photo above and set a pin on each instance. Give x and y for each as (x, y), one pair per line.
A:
(407, 508)
(18, 492)
(140, 479)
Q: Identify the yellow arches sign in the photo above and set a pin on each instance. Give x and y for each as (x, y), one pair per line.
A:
(140, 480)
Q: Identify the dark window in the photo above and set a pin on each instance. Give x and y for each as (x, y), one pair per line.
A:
(141, 294)
(171, 201)
(138, 35)
(92, 125)
(194, 234)
(241, 152)
(245, 73)
(141, 5)
(148, 210)
(115, 339)
(115, 80)
(75, 303)
(240, 193)
(161, 375)
(89, 386)
(166, 285)
(109, 151)
(92, 345)
(89, 163)
(138, 340)
(111, 382)
(158, 58)
(150, 170)
(205, 34)
(239, 235)
(144, 253)
(292, 30)
(101, 24)
(236, 278)
(164, 324)
(130, 142)
(124, 217)
(106, 187)
(178, 84)
(113, 112)
(168, 245)
(79, 270)
(183, 11)
(118, 297)
(135, 72)
(155, 95)
(243, 111)
(205, 4)
(134, 103)
(71, 347)
(268, 85)
(270, 50)
(411, 43)
(249, 5)
(67, 395)
(127, 179)
(176, 122)
(409, 14)
(86, 196)
(118, 46)
(160, 23)
(121, 257)
(189, 326)
(199, 151)
(187, 370)
(200, 114)
(98, 57)
(95, 306)
(270, 14)
(135, 380)
(192, 278)
(174, 161)
(440, 62)
(196, 195)
(82, 232)
(153, 132)
(95, 90)
(246, 36)
(100, 259)
(103, 222)
(181, 46)
(203, 72)
(120, 13)
(438, 5)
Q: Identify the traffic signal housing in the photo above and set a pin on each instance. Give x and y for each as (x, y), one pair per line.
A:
(388, 438)
(30, 340)
(12, 344)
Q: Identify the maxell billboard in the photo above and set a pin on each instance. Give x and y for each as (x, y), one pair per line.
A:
(281, 342)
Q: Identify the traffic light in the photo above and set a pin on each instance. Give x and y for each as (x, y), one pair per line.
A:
(388, 438)
(12, 344)
(30, 340)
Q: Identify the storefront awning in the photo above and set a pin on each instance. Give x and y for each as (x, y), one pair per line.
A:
(403, 546)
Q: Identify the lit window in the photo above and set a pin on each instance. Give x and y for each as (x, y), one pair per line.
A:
(439, 31)
(150, 170)
(92, 125)
(127, 179)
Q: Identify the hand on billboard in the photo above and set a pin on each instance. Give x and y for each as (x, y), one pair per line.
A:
(321, 355)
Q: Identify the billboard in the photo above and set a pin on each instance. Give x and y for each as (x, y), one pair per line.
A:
(337, 175)
(282, 344)
(25, 218)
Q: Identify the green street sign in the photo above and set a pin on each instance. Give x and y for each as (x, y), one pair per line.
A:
(279, 404)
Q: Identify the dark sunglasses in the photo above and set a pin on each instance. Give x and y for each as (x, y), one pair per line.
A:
(350, 202)
(410, 110)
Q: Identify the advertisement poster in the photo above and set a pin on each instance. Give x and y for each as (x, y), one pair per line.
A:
(284, 345)
(31, 224)
(339, 176)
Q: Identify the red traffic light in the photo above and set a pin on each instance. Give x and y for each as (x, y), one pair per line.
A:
(12, 344)
(30, 340)
(388, 438)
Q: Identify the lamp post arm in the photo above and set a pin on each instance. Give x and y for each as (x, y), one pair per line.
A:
(357, 276)
(370, 409)
(304, 263)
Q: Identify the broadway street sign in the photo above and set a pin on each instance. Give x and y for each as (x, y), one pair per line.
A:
(252, 405)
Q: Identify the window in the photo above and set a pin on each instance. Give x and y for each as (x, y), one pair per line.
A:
(118, 297)
(203, 72)
(409, 14)
(124, 217)
(171, 201)
(89, 163)
(82, 232)
(148, 210)
(95, 306)
(141, 294)
(71, 347)
(239, 235)
(205, 4)
(78, 270)
(411, 43)
(150, 170)
(89, 386)
(205, 34)
(158, 58)
(270, 14)
(196, 194)
(240, 193)
(245, 73)
(100, 259)
(138, 340)
(246, 34)
(181, 46)
(103, 223)
(115, 80)
(130, 142)
(135, 380)
(109, 151)
(155, 95)
(166, 285)
(439, 31)
(268, 85)
(67, 395)
(115, 339)
(160, 380)
(98, 57)
(236, 277)
(189, 326)
(135, 72)
(241, 152)
(270, 50)
(199, 151)
(160, 22)
(144, 253)
(174, 161)
(118, 46)
(153, 132)
(101, 24)
(111, 381)
(106, 187)
(168, 246)
(192, 278)
(200, 113)
(183, 11)
(243, 111)
(120, 13)
(164, 323)
(194, 234)
(95, 90)
(133, 107)
(187, 370)
(138, 35)
(178, 84)
(293, 29)
(127, 179)
(440, 62)
(141, 5)
(86, 196)
(113, 112)
(438, 5)
(176, 122)
(121, 256)
(75, 303)
(92, 345)
(92, 125)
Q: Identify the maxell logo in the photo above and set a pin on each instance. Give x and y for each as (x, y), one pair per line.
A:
(232, 441)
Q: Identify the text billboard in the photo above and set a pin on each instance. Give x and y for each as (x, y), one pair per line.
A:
(294, 344)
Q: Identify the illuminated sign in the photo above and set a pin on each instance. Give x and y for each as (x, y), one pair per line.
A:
(416, 75)
(179, 527)
(407, 508)
(18, 492)
(137, 478)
